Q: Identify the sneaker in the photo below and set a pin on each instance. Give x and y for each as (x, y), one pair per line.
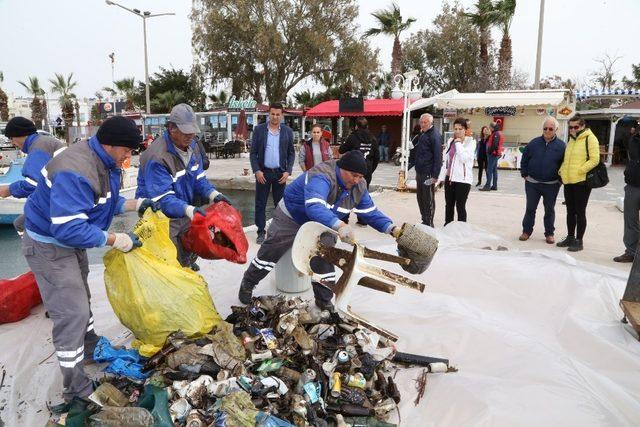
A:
(625, 257)
(523, 237)
(576, 246)
(260, 238)
(550, 239)
(325, 305)
(484, 189)
(566, 242)
(245, 293)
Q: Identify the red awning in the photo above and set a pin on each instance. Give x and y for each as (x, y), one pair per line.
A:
(372, 107)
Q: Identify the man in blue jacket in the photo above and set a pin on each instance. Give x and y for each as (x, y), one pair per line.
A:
(272, 156)
(326, 193)
(39, 150)
(426, 156)
(171, 173)
(70, 211)
(541, 160)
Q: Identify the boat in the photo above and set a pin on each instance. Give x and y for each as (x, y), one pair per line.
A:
(11, 207)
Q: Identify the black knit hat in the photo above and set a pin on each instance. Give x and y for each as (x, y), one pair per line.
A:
(19, 126)
(353, 161)
(120, 132)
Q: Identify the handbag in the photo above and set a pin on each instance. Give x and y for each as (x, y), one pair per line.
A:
(598, 176)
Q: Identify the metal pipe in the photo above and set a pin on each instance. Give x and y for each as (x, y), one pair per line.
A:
(539, 53)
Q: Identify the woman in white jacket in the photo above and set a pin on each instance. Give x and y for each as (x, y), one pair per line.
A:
(457, 171)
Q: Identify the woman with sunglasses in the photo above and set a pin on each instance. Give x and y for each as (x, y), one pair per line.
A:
(457, 171)
(581, 155)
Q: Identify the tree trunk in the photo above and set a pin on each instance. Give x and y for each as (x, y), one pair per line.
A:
(36, 112)
(45, 114)
(67, 117)
(504, 65)
(4, 106)
(484, 59)
(396, 57)
(77, 108)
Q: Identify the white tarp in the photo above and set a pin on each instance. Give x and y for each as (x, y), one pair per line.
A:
(515, 98)
(536, 336)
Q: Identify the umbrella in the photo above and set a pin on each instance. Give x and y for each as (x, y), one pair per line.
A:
(242, 132)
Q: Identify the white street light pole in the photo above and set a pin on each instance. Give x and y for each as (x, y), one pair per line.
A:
(407, 88)
(539, 54)
(144, 15)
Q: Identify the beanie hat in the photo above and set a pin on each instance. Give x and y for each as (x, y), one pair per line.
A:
(119, 131)
(19, 126)
(353, 161)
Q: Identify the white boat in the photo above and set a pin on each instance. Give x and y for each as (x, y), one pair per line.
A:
(11, 208)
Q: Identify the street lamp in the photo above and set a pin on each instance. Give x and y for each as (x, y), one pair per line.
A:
(407, 87)
(144, 15)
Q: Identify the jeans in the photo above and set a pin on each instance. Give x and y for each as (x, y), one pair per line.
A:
(262, 195)
(492, 171)
(631, 220)
(576, 197)
(455, 197)
(384, 153)
(549, 194)
(482, 165)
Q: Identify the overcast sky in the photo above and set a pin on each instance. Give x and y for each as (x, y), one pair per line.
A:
(42, 37)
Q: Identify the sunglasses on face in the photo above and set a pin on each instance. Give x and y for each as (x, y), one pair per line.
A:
(574, 127)
(548, 129)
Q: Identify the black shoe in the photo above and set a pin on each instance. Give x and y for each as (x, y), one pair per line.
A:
(625, 257)
(260, 238)
(576, 246)
(325, 305)
(195, 267)
(494, 188)
(484, 189)
(245, 294)
(478, 184)
(566, 242)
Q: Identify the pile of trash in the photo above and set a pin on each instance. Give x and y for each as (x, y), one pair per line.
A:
(276, 362)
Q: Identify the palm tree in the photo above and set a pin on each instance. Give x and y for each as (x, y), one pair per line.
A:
(483, 19)
(220, 99)
(63, 86)
(164, 102)
(391, 24)
(76, 107)
(127, 89)
(503, 14)
(4, 102)
(34, 89)
(305, 98)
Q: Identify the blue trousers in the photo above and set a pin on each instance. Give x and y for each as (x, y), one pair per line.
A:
(549, 194)
(384, 153)
(492, 171)
(262, 195)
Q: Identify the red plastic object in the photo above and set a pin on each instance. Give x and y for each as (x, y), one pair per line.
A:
(17, 297)
(228, 240)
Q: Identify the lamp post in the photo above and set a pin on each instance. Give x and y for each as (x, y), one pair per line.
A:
(406, 87)
(144, 15)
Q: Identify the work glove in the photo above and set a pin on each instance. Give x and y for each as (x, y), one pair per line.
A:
(346, 234)
(396, 231)
(125, 242)
(190, 211)
(143, 204)
(216, 197)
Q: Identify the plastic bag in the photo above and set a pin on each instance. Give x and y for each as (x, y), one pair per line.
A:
(17, 297)
(219, 235)
(152, 294)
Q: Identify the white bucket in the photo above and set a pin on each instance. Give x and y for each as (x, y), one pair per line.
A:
(288, 279)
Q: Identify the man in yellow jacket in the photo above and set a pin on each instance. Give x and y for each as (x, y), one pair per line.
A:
(581, 155)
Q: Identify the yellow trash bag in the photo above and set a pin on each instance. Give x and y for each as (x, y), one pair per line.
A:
(152, 294)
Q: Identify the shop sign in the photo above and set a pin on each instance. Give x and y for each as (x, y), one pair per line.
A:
(450, 112)
(246, 104)
(500, 111)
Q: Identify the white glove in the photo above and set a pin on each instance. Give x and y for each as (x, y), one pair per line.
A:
(346, 234)
(122, 242)
(190, 211)
(396, 231)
